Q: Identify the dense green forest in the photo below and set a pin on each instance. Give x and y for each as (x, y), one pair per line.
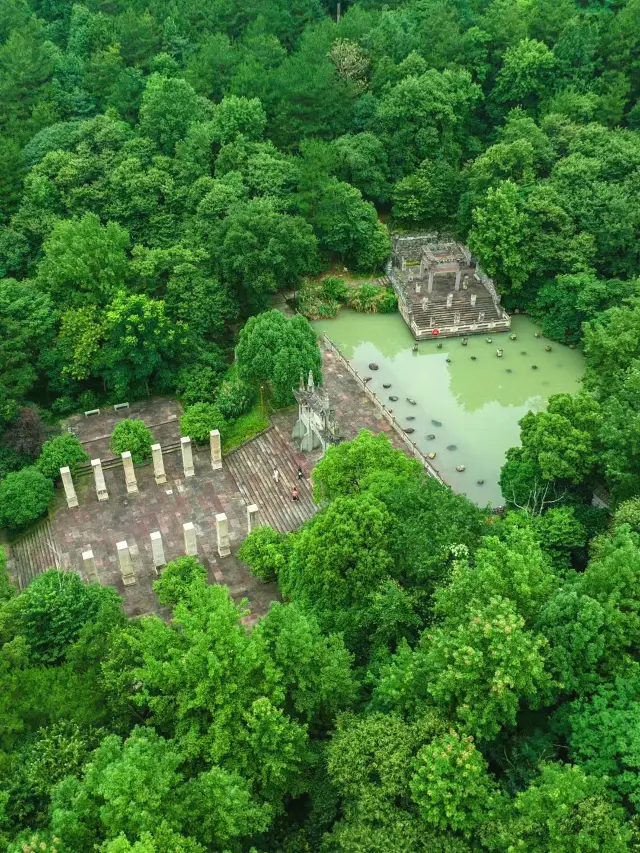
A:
(436, 678)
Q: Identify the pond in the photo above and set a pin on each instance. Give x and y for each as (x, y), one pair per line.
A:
(466, 397)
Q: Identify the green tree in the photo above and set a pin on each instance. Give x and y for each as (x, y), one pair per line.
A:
(563, 810)
(499, 237)
(525, 72)
(347, 467)
(60, 451)
(169, 106)
(53, 610)
(27, 322)
(134, 436)
(451, 785)
(140, 344)
(24, 497)
(276, 352)
(84, 261)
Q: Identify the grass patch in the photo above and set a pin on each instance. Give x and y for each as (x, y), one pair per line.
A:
(244, 428)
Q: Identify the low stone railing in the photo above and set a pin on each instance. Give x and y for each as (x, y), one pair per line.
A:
(386, 414)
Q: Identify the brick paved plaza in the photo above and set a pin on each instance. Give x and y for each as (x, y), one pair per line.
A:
(247, 478)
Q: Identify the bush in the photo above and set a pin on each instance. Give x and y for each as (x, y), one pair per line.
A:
(364, 297)
(197, 384)
(58, 452)
(26, 434)
(134, 436)
(177, 577)
(243, 428)
(234, 398)
(24, 496)
(88, 400)
(335, 288)
(63, 406)
(266, 552)
(388, 302)
(198, 420)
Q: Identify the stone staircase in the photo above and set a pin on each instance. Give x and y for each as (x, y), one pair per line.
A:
(32, 553)
(252, 464)
(438, 316)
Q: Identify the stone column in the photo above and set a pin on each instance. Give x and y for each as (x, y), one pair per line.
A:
(69, 490)
(418, 286)
(430, 282)
(216, 450)
(449, 300)
(98, 475)
(190, 542)
(458, 276)
(187, 457)
(222, 528)
(474, 296)
(129, 473)
(126, 566)
(89, 564)
(157, 549)
(158, 464)
(253, 517)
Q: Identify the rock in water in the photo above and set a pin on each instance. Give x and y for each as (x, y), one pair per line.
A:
(373, 366)
(386, 385)
(430, 437)
(460, 468)
(413, 402)
(452, 447)
(410, 417)
(409, 430)
(436, 423)
(393, 398)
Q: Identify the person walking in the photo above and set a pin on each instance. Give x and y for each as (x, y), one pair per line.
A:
(300, 473)
(295, 495)
(276, 476)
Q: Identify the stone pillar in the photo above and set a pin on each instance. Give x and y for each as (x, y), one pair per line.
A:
(158, 464)
(481, 317)
(418, 286)
(129, 473)
(98, 475)
(222, 528)
(69, 490)
(157, 549)
(458, 276)
(216, 450)
(449, 300)
(126, 566)
(456, 318)
(253, 517)
(474, 296)
(89, 565)
(190, 542)
(187, 457)
(430, 282)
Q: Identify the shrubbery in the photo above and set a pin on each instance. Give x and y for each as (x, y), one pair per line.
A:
(134, 436)
(234, 398)
(59, 452)
(198, 421)
(24, 496)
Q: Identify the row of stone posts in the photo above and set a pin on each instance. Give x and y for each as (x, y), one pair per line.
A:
(129, 470)
(157, 548)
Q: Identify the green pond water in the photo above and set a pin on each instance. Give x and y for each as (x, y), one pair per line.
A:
(478, 402)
